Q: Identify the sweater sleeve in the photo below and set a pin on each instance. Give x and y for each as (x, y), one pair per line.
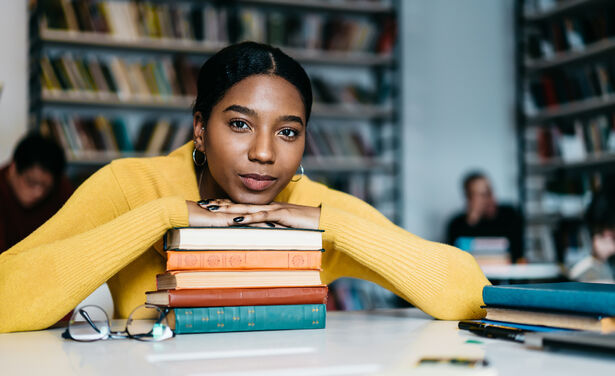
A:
(91, 238)
(441, 280)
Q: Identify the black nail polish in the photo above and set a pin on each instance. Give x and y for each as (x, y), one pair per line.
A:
(269, 224)
(204, 202)
(213, 207)
(238, 219)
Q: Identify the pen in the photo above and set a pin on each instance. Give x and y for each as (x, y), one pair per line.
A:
(493, 331)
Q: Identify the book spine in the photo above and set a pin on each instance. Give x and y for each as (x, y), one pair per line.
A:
(572, 301)
(249, 318)
(247, 296)
(241, 260)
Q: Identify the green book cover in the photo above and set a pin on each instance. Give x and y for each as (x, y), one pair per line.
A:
(249, 318)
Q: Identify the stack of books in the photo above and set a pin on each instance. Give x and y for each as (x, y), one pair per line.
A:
(224, 279)
(552, 306)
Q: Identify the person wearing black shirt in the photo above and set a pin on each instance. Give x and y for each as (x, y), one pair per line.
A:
(483, 217)
(600, 218)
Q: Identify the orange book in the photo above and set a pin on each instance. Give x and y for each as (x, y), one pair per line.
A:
(243, 260)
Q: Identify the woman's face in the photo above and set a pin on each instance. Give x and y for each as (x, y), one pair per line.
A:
(254, 139)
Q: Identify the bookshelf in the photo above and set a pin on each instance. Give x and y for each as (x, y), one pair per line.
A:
(566, 119)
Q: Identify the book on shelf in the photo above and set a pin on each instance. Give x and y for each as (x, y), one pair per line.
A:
(238, 296)
(80, 135)
(346, 93)
(337, 140)
(137, 20)
(574, 32)
(577, 297)
(558, 319)
(118, 78)
(245, 278)
(247, 318)
(580, 83)
(243, 260)
(243, 238)
(575, 140)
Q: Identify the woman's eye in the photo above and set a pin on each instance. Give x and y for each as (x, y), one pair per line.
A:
(239, 124)
(287, 132)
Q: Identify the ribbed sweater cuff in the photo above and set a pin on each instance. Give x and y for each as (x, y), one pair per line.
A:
(177, 210)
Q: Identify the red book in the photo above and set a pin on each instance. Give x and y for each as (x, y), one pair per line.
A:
(238, 296)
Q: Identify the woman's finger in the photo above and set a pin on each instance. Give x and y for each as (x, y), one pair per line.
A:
(265, 225)
(214, 201)
(239, 208)
(264, 216)
(307, 217)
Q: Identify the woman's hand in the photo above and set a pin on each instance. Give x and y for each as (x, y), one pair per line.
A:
(276, 214)
(200, 216)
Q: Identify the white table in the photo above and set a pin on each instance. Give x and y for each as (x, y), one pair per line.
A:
(354, 343)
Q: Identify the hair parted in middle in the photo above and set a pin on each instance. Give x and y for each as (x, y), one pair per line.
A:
(239, 61)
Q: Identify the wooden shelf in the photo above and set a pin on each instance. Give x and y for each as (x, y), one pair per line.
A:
(355, 6)
(572, 108)
(184, 104)
(90, 39)
(560, 9)
(592, 161)
(590, 51)
(80, 98)
(310, 164)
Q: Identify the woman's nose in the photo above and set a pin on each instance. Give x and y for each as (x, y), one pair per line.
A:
(262, 148)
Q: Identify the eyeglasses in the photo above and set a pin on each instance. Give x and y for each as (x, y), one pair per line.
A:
(145, 323)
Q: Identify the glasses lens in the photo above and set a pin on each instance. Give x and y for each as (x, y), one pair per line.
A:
(148, 323)
(89, 323)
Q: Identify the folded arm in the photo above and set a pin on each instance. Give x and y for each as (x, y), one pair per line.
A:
(443, 281)
(90, 239)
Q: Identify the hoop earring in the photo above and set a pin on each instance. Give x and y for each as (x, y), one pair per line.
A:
(194, 158)
(301, 167)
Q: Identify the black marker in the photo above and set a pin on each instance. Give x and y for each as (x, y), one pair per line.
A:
(493, 331)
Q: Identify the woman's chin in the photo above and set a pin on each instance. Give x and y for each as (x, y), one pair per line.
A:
(262, 198)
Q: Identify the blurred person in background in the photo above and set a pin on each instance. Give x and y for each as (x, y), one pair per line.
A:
(483, 217)
(33, 187)
(600, 218)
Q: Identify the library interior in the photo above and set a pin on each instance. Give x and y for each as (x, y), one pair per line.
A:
(309, 187)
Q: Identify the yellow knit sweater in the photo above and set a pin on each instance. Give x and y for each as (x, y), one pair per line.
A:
(110, 231)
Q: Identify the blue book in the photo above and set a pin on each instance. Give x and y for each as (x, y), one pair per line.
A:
(247, 318)
(580, 297)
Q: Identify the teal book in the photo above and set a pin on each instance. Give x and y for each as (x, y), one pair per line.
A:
(247, 318)
(581, 297)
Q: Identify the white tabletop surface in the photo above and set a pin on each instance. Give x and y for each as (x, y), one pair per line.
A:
(354, 343)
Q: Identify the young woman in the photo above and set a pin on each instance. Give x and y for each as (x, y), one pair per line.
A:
(250, 120)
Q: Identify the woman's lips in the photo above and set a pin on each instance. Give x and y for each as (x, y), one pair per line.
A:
(255, 182)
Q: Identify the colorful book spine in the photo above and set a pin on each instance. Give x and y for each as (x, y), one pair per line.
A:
(242, 296)
(248, 318)
(243, 260)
